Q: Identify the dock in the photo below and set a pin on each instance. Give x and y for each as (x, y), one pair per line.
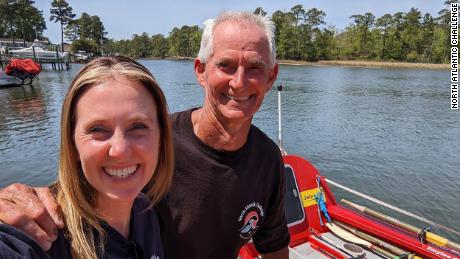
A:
(57, 59)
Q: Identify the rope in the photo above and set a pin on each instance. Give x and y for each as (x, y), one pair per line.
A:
(384, 204)
(319, 197)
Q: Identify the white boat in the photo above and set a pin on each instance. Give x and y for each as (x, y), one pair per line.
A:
(6, 80)
(40, 53)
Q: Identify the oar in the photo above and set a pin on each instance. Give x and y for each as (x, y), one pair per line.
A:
(433, 238)
(356, 240)
(374, 240)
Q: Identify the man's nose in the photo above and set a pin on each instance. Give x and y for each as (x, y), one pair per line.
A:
(238, 78)
(119, 145)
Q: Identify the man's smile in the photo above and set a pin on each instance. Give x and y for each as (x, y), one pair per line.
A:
(237, 98)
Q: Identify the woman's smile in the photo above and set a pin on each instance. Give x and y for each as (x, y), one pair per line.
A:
(121, 173)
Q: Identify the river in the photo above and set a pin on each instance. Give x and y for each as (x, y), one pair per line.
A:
(389, 133)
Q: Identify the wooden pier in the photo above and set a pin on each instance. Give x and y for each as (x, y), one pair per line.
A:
(57, 61)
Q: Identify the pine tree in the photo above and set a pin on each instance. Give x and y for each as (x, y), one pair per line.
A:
(61, 12)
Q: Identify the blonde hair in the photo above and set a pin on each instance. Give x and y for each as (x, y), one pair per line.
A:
(74, 194)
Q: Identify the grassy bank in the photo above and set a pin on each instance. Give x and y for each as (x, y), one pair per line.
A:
(357, 63)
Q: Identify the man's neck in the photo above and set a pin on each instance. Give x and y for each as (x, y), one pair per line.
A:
(217, 134)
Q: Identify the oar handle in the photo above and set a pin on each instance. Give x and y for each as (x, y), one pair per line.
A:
(382, 251)
(372, 239)
(392, 220)
(453, 245)
(431, 237)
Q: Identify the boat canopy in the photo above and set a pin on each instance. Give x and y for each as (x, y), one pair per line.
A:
(24, 69)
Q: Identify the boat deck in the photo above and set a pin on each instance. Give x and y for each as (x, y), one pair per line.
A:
(306, 251)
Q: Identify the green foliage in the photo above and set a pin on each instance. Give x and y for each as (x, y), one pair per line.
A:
(302, 34)
(260, 11)
(160, 46)
(87, 27)
(61, 13)
(141, 46)
(20, 19)
(410, 36)
(184, 42)
(87, 45)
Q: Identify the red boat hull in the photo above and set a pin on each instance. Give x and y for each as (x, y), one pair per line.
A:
(308, 182)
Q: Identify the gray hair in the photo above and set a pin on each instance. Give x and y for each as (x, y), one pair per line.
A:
(262, 22)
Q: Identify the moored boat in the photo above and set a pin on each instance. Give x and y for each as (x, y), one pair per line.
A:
(37, 51)
(6, 80)
(19, 72)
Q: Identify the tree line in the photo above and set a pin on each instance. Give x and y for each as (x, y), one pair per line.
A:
(20, 19)
(300, 34)
(181, 42)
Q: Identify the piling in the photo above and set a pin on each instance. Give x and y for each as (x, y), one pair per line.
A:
(57, 58)
(35, 56)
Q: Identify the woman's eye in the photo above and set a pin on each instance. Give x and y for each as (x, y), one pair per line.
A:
(138, 126)
(97, 129)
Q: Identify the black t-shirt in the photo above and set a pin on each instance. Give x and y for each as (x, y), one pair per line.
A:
(144, 240)
(220, 200)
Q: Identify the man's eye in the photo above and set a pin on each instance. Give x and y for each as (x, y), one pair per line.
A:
(222, 64)
(255, 68)
(226, 67)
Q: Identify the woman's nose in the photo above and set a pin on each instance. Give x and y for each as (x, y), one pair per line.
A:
(119, 145)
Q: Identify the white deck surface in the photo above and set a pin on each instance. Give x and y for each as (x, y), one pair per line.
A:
(306, 251)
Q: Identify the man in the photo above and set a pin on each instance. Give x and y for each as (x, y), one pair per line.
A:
(228, 185)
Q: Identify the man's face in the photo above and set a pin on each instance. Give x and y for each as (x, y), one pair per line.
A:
(238, 74)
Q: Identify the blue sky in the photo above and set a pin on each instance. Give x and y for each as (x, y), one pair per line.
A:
(122, 19)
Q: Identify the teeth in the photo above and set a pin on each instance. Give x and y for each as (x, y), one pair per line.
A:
(120, 172)
(241, 98)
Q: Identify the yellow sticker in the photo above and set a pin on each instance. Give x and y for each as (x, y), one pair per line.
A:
(308, 197)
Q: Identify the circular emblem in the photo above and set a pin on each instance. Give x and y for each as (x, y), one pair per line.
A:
(250, 219)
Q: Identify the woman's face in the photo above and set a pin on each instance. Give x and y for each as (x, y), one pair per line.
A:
(117, 138)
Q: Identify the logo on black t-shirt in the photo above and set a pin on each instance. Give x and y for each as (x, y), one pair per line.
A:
(250, 218)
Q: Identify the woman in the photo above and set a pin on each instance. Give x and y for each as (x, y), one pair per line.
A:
(115, 142)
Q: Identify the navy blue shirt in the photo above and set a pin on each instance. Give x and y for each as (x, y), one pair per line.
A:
(143, 242)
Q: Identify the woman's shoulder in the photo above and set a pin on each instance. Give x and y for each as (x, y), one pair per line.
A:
(16, 244)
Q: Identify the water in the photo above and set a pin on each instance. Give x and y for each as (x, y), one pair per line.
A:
(389, 133)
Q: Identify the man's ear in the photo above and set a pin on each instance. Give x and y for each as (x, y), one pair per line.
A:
(272, 74)
(199, 71)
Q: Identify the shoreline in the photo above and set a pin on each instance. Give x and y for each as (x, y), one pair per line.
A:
(367, 64)
(344, 63)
